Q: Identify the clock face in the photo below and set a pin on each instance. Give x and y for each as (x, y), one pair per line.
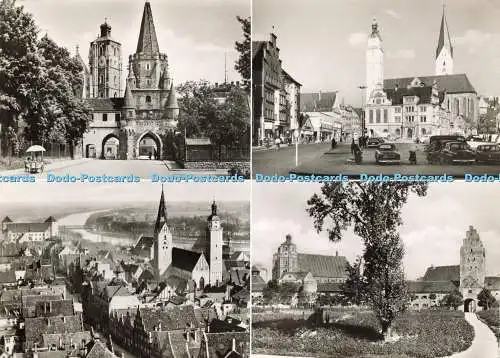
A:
(102, 61)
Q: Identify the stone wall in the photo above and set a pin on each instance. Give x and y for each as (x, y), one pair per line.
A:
(243, 166)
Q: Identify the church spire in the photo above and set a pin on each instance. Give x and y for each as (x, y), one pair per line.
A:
(147, 36)
(444, 49)
(162, 213)
(444, 40)
(129, 101)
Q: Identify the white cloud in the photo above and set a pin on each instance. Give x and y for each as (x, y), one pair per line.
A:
(392, 13)
(357, 38)
(474, 37)
(403, 54)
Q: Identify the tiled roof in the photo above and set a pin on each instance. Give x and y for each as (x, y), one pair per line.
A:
(239, 277)
(57, 308)
(171, 319)
(431, 286)
(329, 287)
(396, 96)
(492, 282)
(112, 291)
(143, 245)
(105, 104)
(7, 277)
(99, 350)
(296, 275)
(205, 315)
(322, 265)
(31, 300)
(184, 259)
(458, 83)
(317, 101)
(290, 78)
(147, 42)
(28, 227)
(221, 344)
(66, 338)
(257, 283)
(35, 328)
(442, 273)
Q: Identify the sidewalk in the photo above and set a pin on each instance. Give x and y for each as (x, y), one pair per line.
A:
(55, 165)
(175, 167)
(273, 147)
(484, 343)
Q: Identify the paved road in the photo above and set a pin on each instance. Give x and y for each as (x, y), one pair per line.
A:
(141, 168)
(484, 343)
(318, 159)
(281, 161)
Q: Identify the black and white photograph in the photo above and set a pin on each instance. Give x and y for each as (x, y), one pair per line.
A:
(375, 87)
(125, 86)
(132, 270)
(375, 270)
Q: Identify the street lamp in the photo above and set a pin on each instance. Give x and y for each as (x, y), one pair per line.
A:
(363, 117)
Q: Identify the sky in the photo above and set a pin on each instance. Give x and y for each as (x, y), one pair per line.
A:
(121, 192)
(433, 226)
(195, 34)
(323, 42)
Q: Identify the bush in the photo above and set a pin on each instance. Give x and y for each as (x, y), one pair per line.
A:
(424, 334)
(492, 318)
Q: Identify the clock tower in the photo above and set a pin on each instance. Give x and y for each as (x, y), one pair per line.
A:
(105, 65)
(162, 240)
(472, 265)
(216, 243)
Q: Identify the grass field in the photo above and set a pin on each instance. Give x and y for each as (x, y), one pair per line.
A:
(355, 333)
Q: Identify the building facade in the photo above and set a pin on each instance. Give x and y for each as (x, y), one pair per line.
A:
(276, 94)
(412, 107)
(141, 123)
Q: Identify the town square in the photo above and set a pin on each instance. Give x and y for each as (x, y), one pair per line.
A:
(368, 96)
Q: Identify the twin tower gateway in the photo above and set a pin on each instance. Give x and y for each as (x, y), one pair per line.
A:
(146, 111)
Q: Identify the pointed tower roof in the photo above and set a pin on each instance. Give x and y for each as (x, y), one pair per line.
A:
(444, 36)
(129, 101)
(131, 74)
(172, 99)
(147, 36)
(161, 218)
(7, 220)
(50, 219)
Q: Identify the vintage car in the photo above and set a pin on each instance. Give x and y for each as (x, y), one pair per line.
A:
(387, 153)
(437, 142)
(374, 142)
(488, 153)
(453, 153)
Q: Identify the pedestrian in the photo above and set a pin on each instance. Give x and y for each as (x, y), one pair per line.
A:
(353, 146)
(277, 141)
(150, 155)
(334, 143)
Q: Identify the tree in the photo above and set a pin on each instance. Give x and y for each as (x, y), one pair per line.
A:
(242, 65)
(486, 299)
(353, 289)
(374, 212)
(226, 123)
(453, 300)
(270, 293)
(302, 119)
(432, 296)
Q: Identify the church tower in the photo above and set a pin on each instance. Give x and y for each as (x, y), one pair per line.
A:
(216, 243)
(286, 259)
(84, 90)
(162, 240)
(105, 65)
(472, 265)
(149, 70)
(444, 50)
(374, 61)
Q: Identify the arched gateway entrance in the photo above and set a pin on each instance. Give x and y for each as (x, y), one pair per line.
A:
(149, 146)
(469, 305)
(110, 146)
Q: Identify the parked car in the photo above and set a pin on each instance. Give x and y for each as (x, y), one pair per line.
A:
(437, 142)
(387, 153)
(453, 153)
(374, 142)
(488, 153)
